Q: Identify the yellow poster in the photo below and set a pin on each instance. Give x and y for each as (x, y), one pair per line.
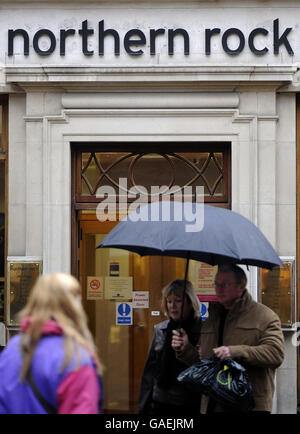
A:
(277, 291)
(118, 288)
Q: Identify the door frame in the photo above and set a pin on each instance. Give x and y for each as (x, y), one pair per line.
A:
(77, 206)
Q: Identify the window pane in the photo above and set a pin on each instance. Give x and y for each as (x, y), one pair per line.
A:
(153, 170)
(207, 167)
(113, 341)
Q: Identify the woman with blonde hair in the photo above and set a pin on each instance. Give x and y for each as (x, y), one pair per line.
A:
(160, 392)
(52, 365)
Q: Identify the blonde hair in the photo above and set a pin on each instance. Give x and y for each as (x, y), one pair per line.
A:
(56, 297)
(176, 287)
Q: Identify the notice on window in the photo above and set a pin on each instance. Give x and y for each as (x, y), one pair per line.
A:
(118, 288)
(205, 281)
(95, 288)
(124, 314)
(114, 268)
(140, 299)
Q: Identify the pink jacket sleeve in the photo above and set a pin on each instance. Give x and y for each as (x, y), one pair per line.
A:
(79, 392)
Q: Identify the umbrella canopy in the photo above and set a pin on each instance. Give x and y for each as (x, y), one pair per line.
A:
(194, 231)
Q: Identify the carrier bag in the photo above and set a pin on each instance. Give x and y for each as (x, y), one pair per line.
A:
(226, 381)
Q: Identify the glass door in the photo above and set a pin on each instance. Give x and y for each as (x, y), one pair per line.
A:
(123, 348)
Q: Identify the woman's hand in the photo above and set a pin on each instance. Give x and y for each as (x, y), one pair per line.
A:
(180, 340)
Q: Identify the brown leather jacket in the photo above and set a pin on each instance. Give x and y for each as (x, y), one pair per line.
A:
(253, 334)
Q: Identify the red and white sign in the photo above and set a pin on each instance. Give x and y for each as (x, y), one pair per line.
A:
(95, 288)
(205, 281)
(140, 299)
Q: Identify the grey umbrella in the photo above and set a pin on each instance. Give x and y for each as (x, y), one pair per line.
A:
(193, 231)
(201, 232)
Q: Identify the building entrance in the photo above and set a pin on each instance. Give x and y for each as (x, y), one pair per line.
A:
(110, 277)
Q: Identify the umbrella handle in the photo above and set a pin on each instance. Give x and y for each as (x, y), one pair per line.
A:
(184, 287)
(180, 334)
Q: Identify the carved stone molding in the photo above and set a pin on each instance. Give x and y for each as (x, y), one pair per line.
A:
(68, 77)
(150, 100)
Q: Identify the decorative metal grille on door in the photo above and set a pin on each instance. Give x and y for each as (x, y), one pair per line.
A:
(148, 169)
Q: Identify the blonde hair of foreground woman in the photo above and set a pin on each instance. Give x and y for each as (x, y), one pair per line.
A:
(57, 297)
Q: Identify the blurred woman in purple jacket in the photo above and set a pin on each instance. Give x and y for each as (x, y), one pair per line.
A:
(52, 365)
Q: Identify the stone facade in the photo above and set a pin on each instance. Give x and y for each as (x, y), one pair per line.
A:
(246, 99)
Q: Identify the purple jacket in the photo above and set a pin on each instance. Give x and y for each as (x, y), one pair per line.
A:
(72, 391)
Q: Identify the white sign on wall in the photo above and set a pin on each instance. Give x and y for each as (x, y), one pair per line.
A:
(131, 37)
(140, 299)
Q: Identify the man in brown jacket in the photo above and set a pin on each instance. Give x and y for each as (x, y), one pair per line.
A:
(242, 329)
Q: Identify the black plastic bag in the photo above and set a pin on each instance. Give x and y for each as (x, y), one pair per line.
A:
(226, 381)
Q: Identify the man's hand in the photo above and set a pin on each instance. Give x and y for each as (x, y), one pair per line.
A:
(180, 340)
(222, 352)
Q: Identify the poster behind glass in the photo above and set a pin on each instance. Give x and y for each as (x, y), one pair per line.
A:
(22, 276)
(277, 290)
